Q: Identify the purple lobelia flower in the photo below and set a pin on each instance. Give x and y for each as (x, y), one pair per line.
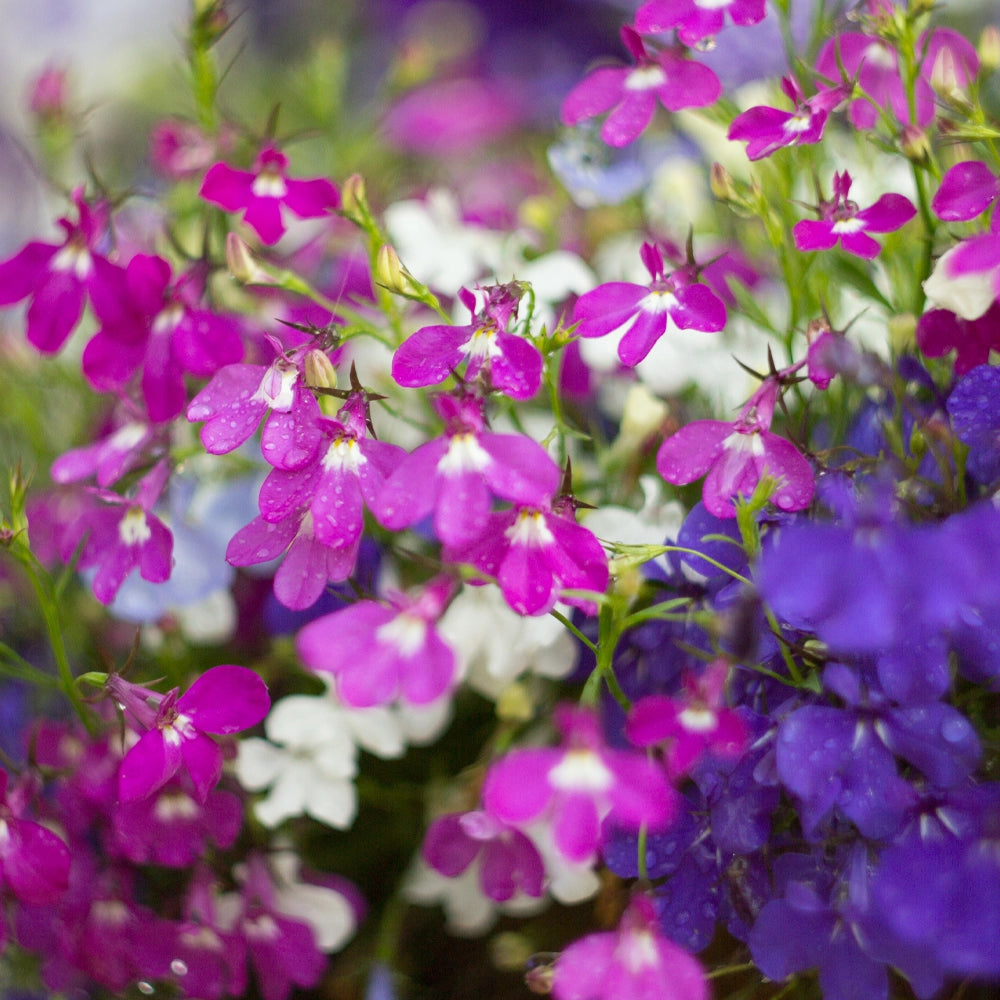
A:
(736, 456)
(501, 360)
(630, 94)
(508, 862)
(842, 221)
(161, 328)
(223, 700)
(974, 415)
(695, 19)
(239, 396)
(109, 458)
(58, 277)
(123, 535)
(639, 314)
(379, 652)
(535, 552)
(634, 962)
(577, 785)
(34, 861)
(766, 129)
(455, 475)
(263, 193)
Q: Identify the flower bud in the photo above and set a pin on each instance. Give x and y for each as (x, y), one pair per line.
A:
(722, 184)
(391, 274)
(988, 49)
(354, 199)
(243, 265)
(319, 370)
(914, 143)
(643, 415)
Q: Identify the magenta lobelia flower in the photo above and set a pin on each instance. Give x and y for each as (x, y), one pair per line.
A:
(109, 458)
(630, 94)
(161, 328)
(239, 396)
(696, 19)
(535, 553)
(736, 456)
(577, 785)
(966, 190)
(509, 863)
(766, 129)
(455, 475)
(940, 331)
(502, 360)
(58, 277)
(842, 221)
(265, 191)
(34, 862)
(223, 700)
(691, 725)
(378, 652)
(635, 962)
(123, 534)
(639, 313)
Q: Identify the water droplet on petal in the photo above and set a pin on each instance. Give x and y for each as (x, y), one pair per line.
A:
(178, 968)
(143, 987)
(706, 44)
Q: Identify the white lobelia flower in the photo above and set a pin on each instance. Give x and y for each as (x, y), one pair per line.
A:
(968, 296)
(495, 645)
(309, 759)
(327, 911)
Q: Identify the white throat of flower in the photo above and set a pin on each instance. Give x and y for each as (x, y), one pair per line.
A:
(406, 632)
(133, 528)
(581, 771)
(464, 454)
(344, 455)
(646, 77)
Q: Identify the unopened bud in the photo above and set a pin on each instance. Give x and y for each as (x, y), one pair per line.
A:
(354, 198)
(722, 184)
(391, 274)
(902, 331)
(515, 704)
(642, 416)
(319, 370)
(988, 49)
(914, 143)
(243, 265)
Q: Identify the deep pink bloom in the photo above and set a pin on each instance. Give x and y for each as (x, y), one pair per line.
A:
(108, 459)
(695, 19)
(348, 470)
(379, 652)
(456, 475)
(639, 313)
(123, 534)
(691, 725)
(766, 129)
(265, 191)
(34, 862)
(59, 277)
(239, 396)
(224, 700)
(635, 962)
(503, 361)
(940, 331)
(966, 190)
(160, 328)
(509, 863)
(842, 221)
(630, 94)
(736, 456)
(537, 552)
(577, 785)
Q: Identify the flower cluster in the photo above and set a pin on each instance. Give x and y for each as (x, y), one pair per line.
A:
(624, 538)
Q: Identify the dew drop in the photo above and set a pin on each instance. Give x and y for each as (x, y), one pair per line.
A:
(954, 729)
(178, 968)
(143, 987)
(706, 44)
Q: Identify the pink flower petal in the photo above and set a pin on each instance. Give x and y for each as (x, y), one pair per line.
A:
(148, 765)
(226, 699)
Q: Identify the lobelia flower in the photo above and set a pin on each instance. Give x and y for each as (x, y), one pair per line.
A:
(454, 475)
(630, 94)
(535, 553)
(695, 19)
(503, 361)
(508, 863)
(577, 786)
(634, 962)
(691, 725)
(161, 328)
(940, 331)
(976, 420)
(224, 700)
(240, 395)
(34, 862)
(639, 314)
(766, 129)
(58, 277)
(966, 190)
(736, 456)
(109, 458)
(263, 193)
(380, 652)
(841, 220)
(123, 535)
